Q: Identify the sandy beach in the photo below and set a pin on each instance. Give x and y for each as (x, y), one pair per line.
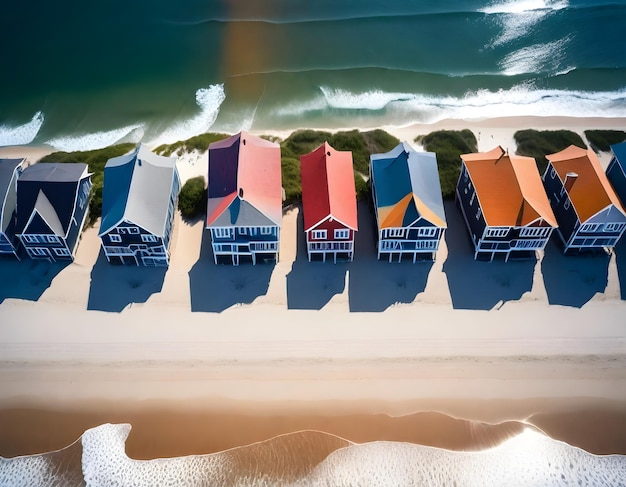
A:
(201, 358)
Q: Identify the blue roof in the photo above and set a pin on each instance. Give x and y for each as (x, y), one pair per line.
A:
(619, 150)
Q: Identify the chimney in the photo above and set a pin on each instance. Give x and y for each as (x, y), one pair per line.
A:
(570, 179)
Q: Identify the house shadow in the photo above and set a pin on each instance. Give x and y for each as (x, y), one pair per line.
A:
(572, 280)
(27, 278)
(311, 285)
(620, 262)
(214, 288)
(480, 285)
(375, 285)
(114, 286)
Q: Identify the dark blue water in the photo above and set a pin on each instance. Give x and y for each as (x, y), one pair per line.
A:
(86, 74)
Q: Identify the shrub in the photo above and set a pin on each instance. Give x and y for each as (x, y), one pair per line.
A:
(602, 140)
(537, 144)
(292, 183)
(449, 145)
(192, 198)
(96, 160)
(362, 187)
(199, 143)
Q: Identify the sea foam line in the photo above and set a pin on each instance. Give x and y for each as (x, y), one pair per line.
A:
(21, 134)
(97, 140)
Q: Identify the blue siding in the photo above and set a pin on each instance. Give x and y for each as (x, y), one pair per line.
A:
(617, 178)
(134, 245)
(564, 211)
(470, 205)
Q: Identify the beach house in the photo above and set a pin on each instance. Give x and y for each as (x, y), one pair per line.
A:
(407, 202)
(504, 205)
(10, 169)
(52, 206)
(329, 203)
(244, 207)
(588, 211)
(616, 171)
(139, 197)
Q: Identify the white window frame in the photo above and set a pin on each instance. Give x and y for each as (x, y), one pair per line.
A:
(471, 201)
(61, 252)
(534, 231)
(115, 238)
(614, 227)
(342, 233)
(427, 231)
(497, 232)
(562, 190)
(223, 232)
(398, 232)
(39, 251)
(266, 230)
(30, 239)
(590, 227)
(552, 172)
(318, 234)
(566, 204)
(147, 238)
(133, 230)
(479, 213)
(52, 239)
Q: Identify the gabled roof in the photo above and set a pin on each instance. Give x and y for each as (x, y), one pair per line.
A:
(509, 188)
(591, 192)
(7, 170)
(48, 191)
(619, 151)
(244, 182)
(137, 188)
(407, 187)
(328, 188)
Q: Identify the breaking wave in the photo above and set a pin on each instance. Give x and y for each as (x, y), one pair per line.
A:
(537, 58)
(97, 140)
(312, 458)
(21, 134)
(209, 100)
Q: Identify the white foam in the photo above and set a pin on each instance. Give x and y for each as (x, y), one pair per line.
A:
(520, 100)
(21, 134)
(369, 100)
(32, 471)
(97, 140)
(528, 459)
(209, 100)
(523, 6)
(105, 463)
(535, 59)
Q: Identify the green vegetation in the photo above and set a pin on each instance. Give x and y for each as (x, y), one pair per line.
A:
(537, 144)
(199, 142)
(292, 184)
(192, 198)
(449, 145)
(96, 160)
(602, 140)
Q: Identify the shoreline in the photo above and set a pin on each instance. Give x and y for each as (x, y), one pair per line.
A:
(486, 342)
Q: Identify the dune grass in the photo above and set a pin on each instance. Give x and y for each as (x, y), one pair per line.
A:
(538, 143)
(602, 140)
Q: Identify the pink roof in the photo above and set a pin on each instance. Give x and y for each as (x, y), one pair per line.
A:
(328, 188)
(247, 167)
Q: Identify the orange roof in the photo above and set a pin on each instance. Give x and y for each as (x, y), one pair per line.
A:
(591, 192)
(509, 188)
(328, 187)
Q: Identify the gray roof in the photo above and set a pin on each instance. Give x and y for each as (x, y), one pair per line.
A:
(137, 188)
(8, 198)
(55, 173)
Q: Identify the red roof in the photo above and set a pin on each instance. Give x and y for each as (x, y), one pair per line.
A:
(328, 189)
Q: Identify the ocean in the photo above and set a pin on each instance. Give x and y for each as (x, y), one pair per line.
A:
(82, 75)
(313, 458)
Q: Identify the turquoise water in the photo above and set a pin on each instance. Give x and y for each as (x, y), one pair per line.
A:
(87, 74)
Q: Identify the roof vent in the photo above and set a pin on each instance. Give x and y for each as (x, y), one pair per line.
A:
(328, 153)
(570, 179)
(241, 192)
(138, 162)
(243, 141)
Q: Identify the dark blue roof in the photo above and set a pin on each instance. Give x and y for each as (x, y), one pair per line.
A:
(57, 183)
(619, 150)
(7, 168)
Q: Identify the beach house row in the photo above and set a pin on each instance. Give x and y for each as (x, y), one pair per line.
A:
(508, 208)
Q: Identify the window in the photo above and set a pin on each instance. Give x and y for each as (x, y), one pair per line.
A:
(534, 231)
(62, 252)
(38, 251)
(266, 230)
(133, 230)
(614, 227)
(342, 233)
(158, 250)
(395, 232)
(497, 232)
(115, 238)
(552, 172)
(319, 234)
(148, 238)
(30, 238)
(591, 227)
(52, 239)
(526, 244)
(223, 232)
(562, 191)
(566, 204)
(472, 198)
(427, 232)
(479, 213)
